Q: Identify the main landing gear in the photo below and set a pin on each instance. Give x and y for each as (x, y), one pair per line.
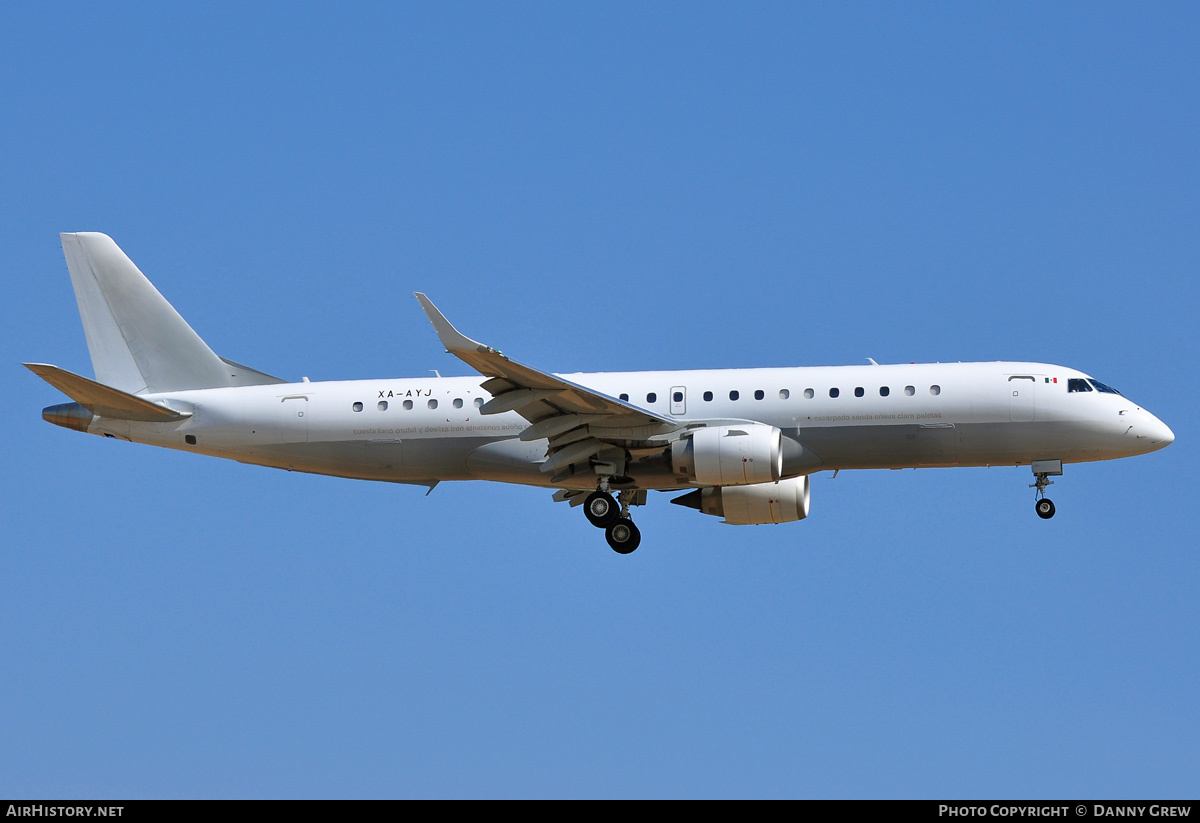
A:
(604, 512)
(1042, 469)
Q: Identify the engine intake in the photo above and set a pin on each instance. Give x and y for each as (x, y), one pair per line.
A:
(737, 455)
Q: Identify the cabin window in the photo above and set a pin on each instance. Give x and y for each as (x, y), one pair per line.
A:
(708, 397)
(357, 406)
(479, 402)
(733, 395)
(381, 405)
(858, 391)
(190, 439)
(408, 405)
(884, 391)
(935, 390)
(677, 397)
(910, 391)
(432, 404)
(651, 397)
(758, 394)
(458, 402)
(784, 394)
(809, 394)
(623, 397)
(834, 392)
(1075, 384)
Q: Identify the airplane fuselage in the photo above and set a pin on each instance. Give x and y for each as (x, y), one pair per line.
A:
(423, 430)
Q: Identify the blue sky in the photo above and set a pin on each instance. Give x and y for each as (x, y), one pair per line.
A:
(604, 187)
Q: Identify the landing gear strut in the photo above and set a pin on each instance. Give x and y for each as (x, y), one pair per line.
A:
(1043, 469)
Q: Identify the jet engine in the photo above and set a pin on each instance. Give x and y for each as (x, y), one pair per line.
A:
(736, 455)
(781, 502)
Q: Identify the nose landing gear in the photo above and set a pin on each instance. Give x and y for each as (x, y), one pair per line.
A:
(1043, 469)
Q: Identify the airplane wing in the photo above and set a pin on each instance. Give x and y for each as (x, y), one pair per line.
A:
(580, 423)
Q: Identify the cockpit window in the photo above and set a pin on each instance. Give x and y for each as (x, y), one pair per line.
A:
(1103, 388)
(1077, 384)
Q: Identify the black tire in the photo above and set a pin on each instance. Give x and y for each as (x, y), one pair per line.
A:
(1044, 508)
(623, 536)
(601, 509)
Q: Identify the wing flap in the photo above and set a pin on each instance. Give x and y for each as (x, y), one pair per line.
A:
(516, 399)
(574, 453)
(552, 427)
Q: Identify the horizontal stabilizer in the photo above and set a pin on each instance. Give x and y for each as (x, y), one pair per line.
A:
(102, 400)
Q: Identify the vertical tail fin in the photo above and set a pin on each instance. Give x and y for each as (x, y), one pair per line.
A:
(138, 342)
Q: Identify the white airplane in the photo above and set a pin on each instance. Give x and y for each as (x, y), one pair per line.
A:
(741, 443)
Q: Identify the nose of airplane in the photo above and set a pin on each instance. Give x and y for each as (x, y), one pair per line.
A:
(1156, 432)
(1164, 434)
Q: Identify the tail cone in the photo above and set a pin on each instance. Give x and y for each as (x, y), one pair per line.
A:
(69, 416)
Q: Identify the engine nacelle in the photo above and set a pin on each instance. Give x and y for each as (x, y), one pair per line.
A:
(737, 455)
(782, 502)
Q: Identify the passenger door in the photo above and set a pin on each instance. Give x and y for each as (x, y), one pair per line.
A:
(293, 423)
(1021, 408)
